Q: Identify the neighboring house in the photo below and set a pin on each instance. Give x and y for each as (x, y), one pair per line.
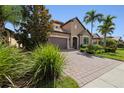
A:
(69, 35)
(96, 38)
(10, 37)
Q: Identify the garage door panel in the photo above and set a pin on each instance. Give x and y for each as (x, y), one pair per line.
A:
(60, 42)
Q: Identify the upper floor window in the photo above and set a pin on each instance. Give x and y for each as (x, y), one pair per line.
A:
(56, 27)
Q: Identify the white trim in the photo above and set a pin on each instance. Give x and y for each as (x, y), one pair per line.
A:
(59, 36)
(85, 36)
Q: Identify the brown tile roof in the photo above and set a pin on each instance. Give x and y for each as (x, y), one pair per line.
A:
(58, 22)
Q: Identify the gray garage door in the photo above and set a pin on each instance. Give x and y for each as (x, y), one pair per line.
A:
(60, 42)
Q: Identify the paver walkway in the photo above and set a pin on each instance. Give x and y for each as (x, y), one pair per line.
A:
(85, 68)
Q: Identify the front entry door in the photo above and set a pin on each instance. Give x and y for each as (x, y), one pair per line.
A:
(74, 42)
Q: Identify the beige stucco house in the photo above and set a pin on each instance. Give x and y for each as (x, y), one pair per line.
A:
(69, 35)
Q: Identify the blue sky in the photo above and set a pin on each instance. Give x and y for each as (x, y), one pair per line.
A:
(65, 12)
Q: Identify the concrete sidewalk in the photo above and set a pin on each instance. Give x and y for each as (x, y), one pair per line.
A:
(112, 79)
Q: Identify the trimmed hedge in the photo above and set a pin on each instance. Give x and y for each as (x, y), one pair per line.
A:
(92, 49)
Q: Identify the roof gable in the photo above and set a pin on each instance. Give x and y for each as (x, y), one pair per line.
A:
(76, 18)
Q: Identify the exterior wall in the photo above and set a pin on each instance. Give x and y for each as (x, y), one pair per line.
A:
(58, 27)
(67, 27)
(12, 42)
(76, 28)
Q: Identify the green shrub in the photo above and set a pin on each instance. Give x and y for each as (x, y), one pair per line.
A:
(111, 45)
(82, 49)
(83, 46)
(97, 47)
(48, 66)
(90, 49)
(113, 50)
(13, 64)
(120, 45)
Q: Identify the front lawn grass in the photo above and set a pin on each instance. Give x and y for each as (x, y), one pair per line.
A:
(66, 82)
(119, 55)
(62, 82)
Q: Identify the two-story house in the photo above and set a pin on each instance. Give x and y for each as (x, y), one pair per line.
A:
(69, 35)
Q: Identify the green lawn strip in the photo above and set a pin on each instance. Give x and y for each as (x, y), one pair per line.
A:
(119, 55)
(62, 82)
(66, 82)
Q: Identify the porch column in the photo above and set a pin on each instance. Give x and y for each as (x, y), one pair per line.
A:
(68, 43)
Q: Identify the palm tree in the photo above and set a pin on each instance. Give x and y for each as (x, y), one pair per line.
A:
(10, 14)
(107, 27)
(92, 17)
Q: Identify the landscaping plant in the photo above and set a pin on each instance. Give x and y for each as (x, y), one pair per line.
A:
(34, 27)
(120, 45)
(90, 49)
(48, 65)
(107, 27)
(91, 17)
(83, 48)
(13, 65)
(9, 14)
(111, 45)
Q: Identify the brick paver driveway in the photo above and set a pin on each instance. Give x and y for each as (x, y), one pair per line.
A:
(85, 68)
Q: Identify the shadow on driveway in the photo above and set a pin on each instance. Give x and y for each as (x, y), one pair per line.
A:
(80, 53)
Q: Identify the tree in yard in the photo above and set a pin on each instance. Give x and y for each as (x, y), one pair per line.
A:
(8, 14)
(35, 26)
(107, 27)
(92, 17)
